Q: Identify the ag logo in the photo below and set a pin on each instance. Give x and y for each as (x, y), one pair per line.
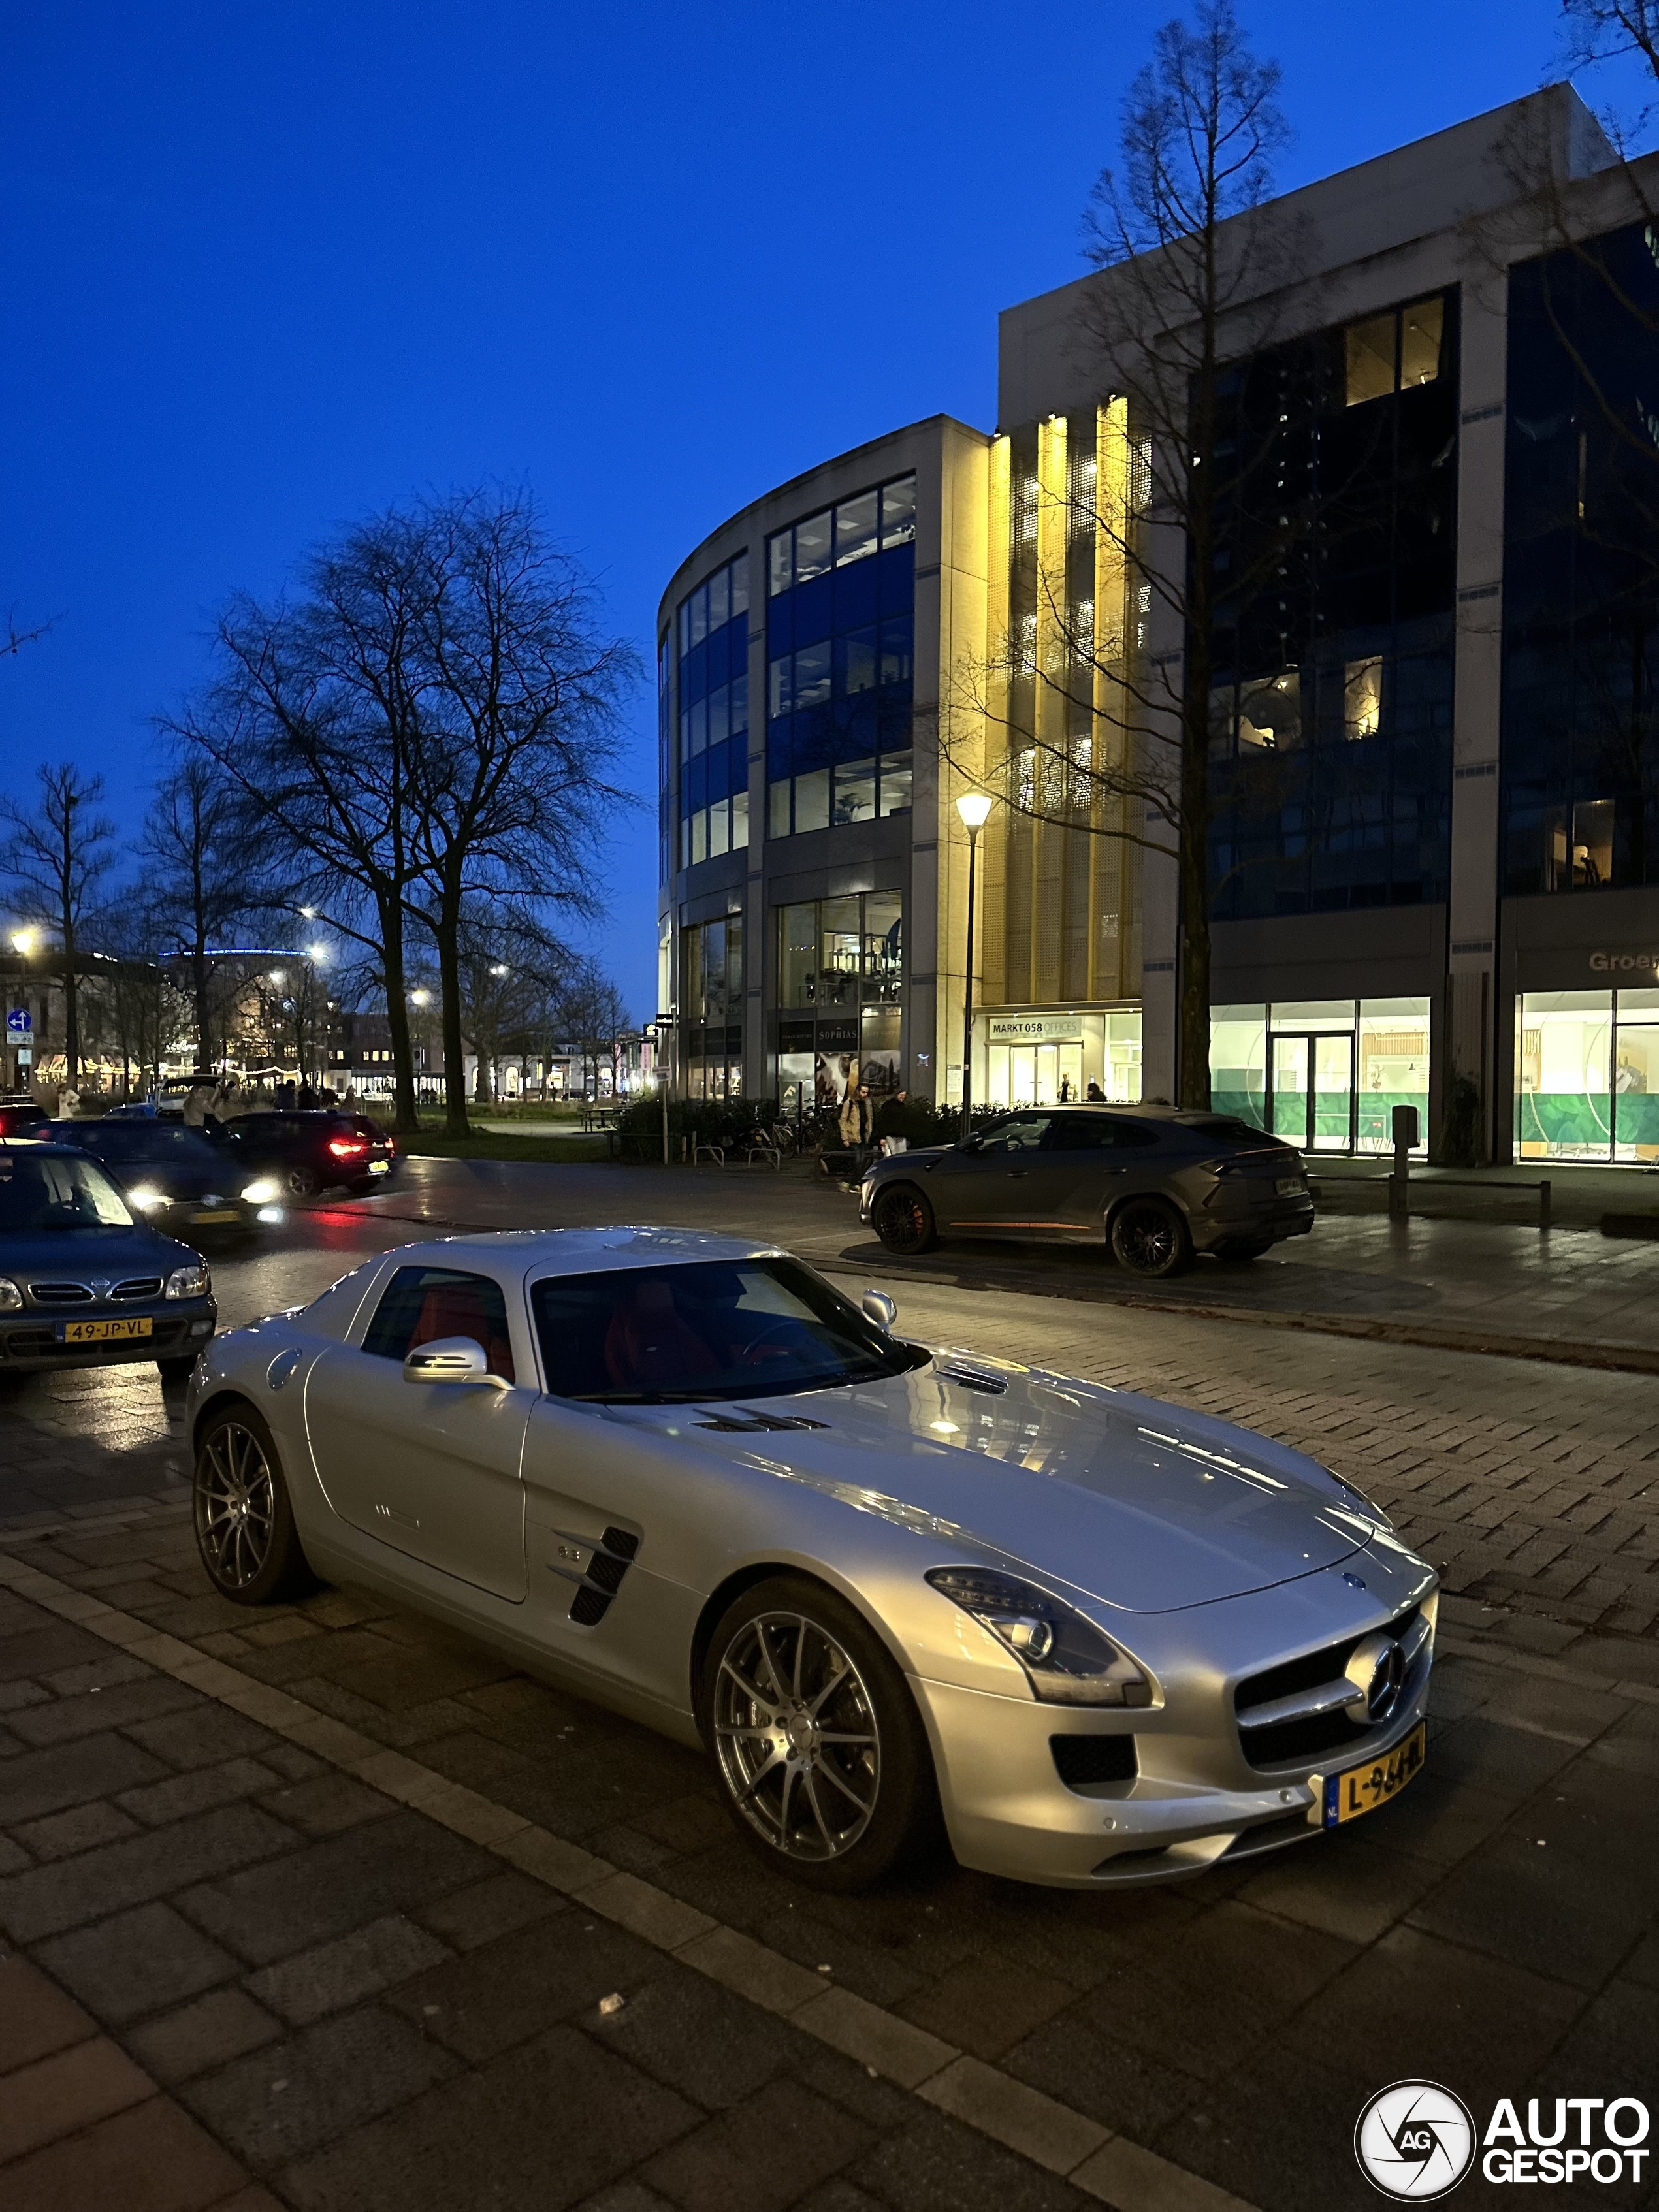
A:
(1414, 2141)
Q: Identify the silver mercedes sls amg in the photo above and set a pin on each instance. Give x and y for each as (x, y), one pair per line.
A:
(888, 1588)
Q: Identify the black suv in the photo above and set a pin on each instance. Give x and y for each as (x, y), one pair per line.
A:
(306, 1153)
(1158, 1183)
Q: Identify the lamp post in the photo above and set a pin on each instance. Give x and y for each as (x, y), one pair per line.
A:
(974, 806)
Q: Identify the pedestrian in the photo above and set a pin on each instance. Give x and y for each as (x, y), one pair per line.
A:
(1065, 1090)
(857, 1125)
(307, 1099)
(1097, 1097)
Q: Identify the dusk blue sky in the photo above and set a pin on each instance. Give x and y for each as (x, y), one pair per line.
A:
(268, 266)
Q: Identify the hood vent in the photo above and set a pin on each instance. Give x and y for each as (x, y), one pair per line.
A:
(748, 1422)
(973, 1378)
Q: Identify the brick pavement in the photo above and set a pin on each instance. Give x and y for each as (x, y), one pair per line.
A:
(272, 1858)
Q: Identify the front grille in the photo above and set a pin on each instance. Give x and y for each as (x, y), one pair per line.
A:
(1080, 1761)
(29, 1343)
(138, 1286)
(1307, 1734)
(61, 1294)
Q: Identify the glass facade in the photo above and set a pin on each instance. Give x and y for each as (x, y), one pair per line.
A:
(1587, 1075)
(712, 635)
(711, 1009)
(1580, 791)
(1050, 1060)
(1336, 581)
(840, 594)
(840, 978)
(1325, 1074)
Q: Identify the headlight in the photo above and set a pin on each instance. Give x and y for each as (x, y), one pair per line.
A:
(147, 1198)
(190, 1282)
(262, 1193)
(1067, 1659)
(11, 1298)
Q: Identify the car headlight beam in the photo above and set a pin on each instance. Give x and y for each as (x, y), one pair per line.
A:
(146, 1197)
(192, 1282)
(261, 1192)
(1068, 1661)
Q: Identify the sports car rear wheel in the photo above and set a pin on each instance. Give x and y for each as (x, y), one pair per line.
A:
(817, 1743)
(244, 1529)
(903, 1220)
(1149, 1237)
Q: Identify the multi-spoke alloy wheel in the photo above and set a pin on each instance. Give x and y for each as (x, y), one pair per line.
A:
(244, 1525)
(815, 1736)
(796, 1734)
(904, 1220)
(1149, 1237)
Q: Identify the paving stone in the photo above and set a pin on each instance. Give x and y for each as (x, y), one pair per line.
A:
(153, 2158)
(986, 2004)
(38, 1783)
(182, 1795)
(502, 2136)
(507, 1991)
(208, 2031)
(326, 1803)
(361, 1964)
(80, 1829)
(938, 2165)
(135, 1963)
(43, 1651)
(49, 1898)
(701, 2040)
(203, 1737)
(326, 1889)
(760, 2156)
(66, 1718)
(1110, 2078)
(59, 2095)
(1349, 1887)
(35, 2015)
(495, 1906)
(279, 2103)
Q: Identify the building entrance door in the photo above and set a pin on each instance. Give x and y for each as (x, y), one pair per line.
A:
(1312, 1096)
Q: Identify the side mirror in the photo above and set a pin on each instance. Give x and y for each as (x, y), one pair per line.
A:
(447, 1359)
(878, 1307)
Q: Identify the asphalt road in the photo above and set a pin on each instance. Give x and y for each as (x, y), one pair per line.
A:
(317, 1907)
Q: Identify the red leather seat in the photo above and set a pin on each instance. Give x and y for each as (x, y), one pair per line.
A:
(458, 1309)
(648, 1347)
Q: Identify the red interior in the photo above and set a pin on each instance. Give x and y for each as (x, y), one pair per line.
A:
(458, 1309)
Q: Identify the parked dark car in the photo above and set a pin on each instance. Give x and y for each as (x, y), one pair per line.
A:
(306, 1153)
(175, 1178)
(84, 1283)
(1158, 1183)
(23, 1117)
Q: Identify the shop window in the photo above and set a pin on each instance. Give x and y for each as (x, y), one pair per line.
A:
(1238, 1064)
(1270, 713)
(1564, 1067)
(1362, 698)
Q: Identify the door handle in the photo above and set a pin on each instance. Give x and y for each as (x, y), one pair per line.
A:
(1019, 1171)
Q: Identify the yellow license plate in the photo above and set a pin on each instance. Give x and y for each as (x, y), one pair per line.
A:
(229, 1214)
(379, 1167)
(1363, 1788)
(104, 1332)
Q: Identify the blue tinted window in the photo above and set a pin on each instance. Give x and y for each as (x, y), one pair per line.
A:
(839, 675)
(712, 634)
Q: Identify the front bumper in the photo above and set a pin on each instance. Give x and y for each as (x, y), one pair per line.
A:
(181, 1326)
(1008, 1813)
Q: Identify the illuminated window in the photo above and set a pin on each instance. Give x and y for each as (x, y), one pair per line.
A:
(1394, 352)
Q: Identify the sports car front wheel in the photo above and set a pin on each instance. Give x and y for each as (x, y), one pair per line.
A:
(818, 1750)
(244, 1529)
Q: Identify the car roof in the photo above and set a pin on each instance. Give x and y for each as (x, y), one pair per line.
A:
(579, 1251)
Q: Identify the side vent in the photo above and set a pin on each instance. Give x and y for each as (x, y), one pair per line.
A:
(612, 1556)
(973, 1378)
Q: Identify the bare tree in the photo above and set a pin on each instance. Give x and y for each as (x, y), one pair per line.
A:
(199, 880)
(593, 1016)
(15, 639)
(1088, 731)
(518, 719)
(513, 971)
(312, 719)
(62, 849)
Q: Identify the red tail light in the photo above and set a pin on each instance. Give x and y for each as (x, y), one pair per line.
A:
(346, 1148)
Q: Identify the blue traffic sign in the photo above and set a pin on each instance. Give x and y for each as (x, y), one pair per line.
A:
(20, 1022)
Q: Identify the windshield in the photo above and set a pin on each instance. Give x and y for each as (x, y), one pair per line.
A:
(57, 1190)
(166, 1142)
(712, 1330)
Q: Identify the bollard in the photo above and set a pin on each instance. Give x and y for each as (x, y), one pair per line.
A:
(1543, 1206)
(1404, 1129)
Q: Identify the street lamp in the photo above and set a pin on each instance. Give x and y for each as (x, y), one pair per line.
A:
(974, 807)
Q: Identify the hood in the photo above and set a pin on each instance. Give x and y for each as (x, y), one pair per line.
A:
(74, 1253)
(1139, 1505)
